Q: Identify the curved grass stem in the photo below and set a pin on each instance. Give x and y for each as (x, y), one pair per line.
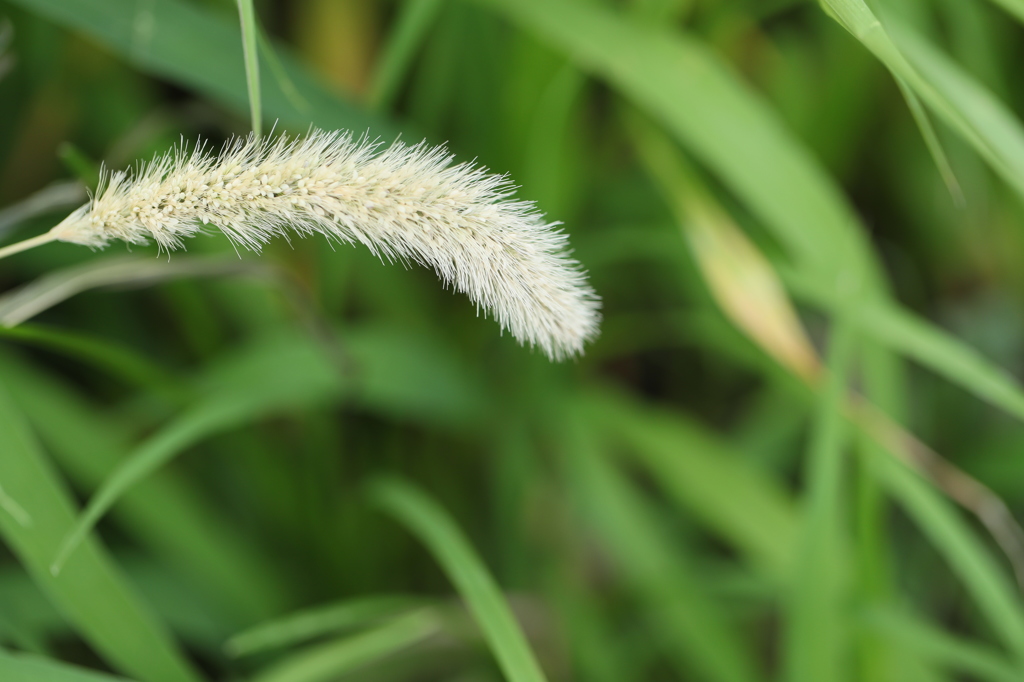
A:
(26, 244)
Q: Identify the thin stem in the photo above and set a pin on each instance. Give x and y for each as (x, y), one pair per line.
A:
(68, 193)
(250, 53)
(18, 247)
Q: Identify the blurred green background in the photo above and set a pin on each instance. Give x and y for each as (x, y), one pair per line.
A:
(794, 453)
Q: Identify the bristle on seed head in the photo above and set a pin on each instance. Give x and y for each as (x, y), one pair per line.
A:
(402, 202)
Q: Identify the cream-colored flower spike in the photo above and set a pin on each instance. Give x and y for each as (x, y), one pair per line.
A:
(402, 203)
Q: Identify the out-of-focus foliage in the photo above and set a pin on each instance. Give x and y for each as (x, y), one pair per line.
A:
(795, 452)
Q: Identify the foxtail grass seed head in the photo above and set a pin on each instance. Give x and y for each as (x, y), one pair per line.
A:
(402, 202)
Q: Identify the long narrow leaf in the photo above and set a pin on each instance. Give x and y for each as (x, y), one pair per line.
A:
(438, 532)
(986, 580)
(902, 332)
(250, 391)
(299, 627)
(683, 86)
(817, 634)
(92, 594)
(1014, 7)
(967, 106)
(944, 355)
(162, 513)
(28, 301)
(330, 661)
(945, 649)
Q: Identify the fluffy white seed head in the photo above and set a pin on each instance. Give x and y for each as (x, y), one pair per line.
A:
(401, 202)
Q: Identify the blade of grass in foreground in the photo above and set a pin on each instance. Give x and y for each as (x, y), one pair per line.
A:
(883, 382)
(305, 625)
(816, 633)
(117, 359)
(202, 421)
(269, 378)
(987, 581)
(163, 514)
(937, 645)
(92, 594)
(432, 525)
(330, 661)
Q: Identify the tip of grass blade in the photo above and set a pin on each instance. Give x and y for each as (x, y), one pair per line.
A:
(439, 533)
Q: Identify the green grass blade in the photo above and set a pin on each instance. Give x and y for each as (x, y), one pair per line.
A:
(204, 420)
(217, 415)
(432, 526)
(949, 651)
(251, 56)
(310, 623)
(23, 668)
(696, 637)
(284, 81)
(28, 620)
(704, 477)
(1014, 7)
(108, 356)
(921, 341)
(10, 506)
(944, 355)
(817, 637)
(990, 586)
(201, 50)
(967, 106)
(685, 88)
(91, 593)
(883, 384)
(415, 18)
(162, 513)
(268, 379)
(330, 661)
(280, 375)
